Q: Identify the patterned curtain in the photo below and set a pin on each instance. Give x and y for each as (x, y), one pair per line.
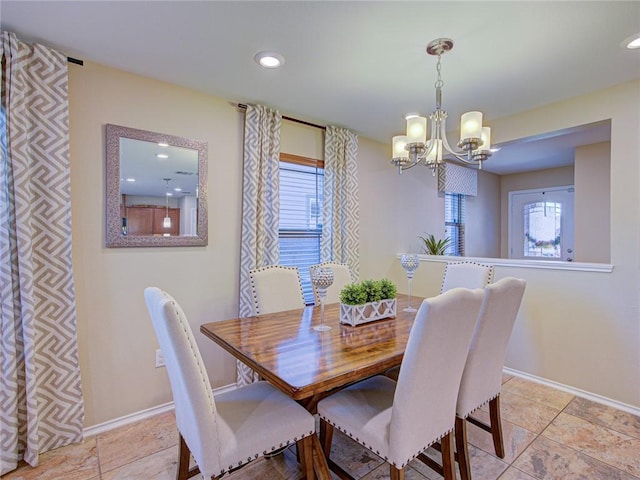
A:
(260, 205)
(341, 229)
(40, 391)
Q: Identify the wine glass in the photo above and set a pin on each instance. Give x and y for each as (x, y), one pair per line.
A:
(322, 278)
(409, 263)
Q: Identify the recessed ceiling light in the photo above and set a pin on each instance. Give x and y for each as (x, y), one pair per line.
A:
(269, 59)
(162, 155)
(169, 194)
(632, 42)
(163, 144)
(177, 189)
(131, 179)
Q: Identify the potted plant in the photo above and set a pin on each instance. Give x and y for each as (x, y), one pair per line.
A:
(367, 301)
(433, 246)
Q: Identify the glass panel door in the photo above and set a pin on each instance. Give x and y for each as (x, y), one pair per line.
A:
(541, 224)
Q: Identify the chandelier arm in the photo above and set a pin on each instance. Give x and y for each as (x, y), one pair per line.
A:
(434, 127)
(445, 142)
(464, 159)
(411, 165)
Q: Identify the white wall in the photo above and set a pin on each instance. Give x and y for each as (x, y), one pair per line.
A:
(116, 339)
(575, 328)
(482, 228)
(592, 203)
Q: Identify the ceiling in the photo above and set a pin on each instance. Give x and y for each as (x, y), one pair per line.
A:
(360, 65)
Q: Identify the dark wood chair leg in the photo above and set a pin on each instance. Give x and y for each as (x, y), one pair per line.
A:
(396, 473)
(462, 449)
(448, 458)
(184, 456)
(496, 426)
(305, 455)
(326, 437)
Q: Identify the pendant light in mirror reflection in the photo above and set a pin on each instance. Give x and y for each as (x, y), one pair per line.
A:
(166, 223)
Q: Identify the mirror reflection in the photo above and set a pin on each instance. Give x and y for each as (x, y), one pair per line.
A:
(156, 189)
(159, 188)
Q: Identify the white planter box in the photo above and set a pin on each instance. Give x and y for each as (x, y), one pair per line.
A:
(358, 314)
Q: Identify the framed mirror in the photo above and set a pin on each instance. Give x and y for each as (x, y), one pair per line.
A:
(156, 189)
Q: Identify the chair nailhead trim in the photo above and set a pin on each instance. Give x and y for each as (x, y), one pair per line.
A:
(377, 452)
(274, 447)
(479, 406)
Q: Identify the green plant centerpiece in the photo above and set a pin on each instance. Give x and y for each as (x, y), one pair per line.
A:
(367, 301)
(433, 246)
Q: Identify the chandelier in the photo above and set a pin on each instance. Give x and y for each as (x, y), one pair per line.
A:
(413, 148)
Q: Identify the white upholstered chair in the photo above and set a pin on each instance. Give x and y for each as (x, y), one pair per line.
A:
(224, 431)
(341, 277)
(276, 289)
(399, 421)
(482, 376)
(467, 274)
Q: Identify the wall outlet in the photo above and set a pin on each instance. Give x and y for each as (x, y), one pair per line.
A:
(159, 359)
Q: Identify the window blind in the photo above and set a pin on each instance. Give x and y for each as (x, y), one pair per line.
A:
(301, 219)
(454, 213)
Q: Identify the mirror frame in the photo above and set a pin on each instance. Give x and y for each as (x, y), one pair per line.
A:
(114, 237)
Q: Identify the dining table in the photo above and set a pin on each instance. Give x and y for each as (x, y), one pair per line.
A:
(307, 365)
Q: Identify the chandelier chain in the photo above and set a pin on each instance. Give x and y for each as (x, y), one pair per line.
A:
(439, 83)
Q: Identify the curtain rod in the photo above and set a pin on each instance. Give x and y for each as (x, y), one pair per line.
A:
(75, 60)
(242, 106)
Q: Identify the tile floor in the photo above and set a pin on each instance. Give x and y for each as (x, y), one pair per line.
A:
(549, 435)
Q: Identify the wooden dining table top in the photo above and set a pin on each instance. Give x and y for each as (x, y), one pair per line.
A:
(306, 364)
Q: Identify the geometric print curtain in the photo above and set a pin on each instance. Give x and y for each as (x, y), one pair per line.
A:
(260, 206)
(457, 179)
(40, 390)
(341, 227)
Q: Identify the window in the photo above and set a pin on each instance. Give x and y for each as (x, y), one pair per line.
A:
(301, 182)
(542, 229)
(454, 223)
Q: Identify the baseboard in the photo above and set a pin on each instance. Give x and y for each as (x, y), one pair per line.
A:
(575, 391)
(141, 415)
(167, 407)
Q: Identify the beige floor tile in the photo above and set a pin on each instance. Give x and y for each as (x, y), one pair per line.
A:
(78, 461)
(355, 459)
(548, 460)
(606, 416)
(521, 411)
(287, 464)
(426, 471)
(513, 473)
(483, 465)
(132, 442)
(158, 466)
(260, 469)
(538, 393)
(506, 377)
(382, 473)
(601, 443)
(516, 438)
